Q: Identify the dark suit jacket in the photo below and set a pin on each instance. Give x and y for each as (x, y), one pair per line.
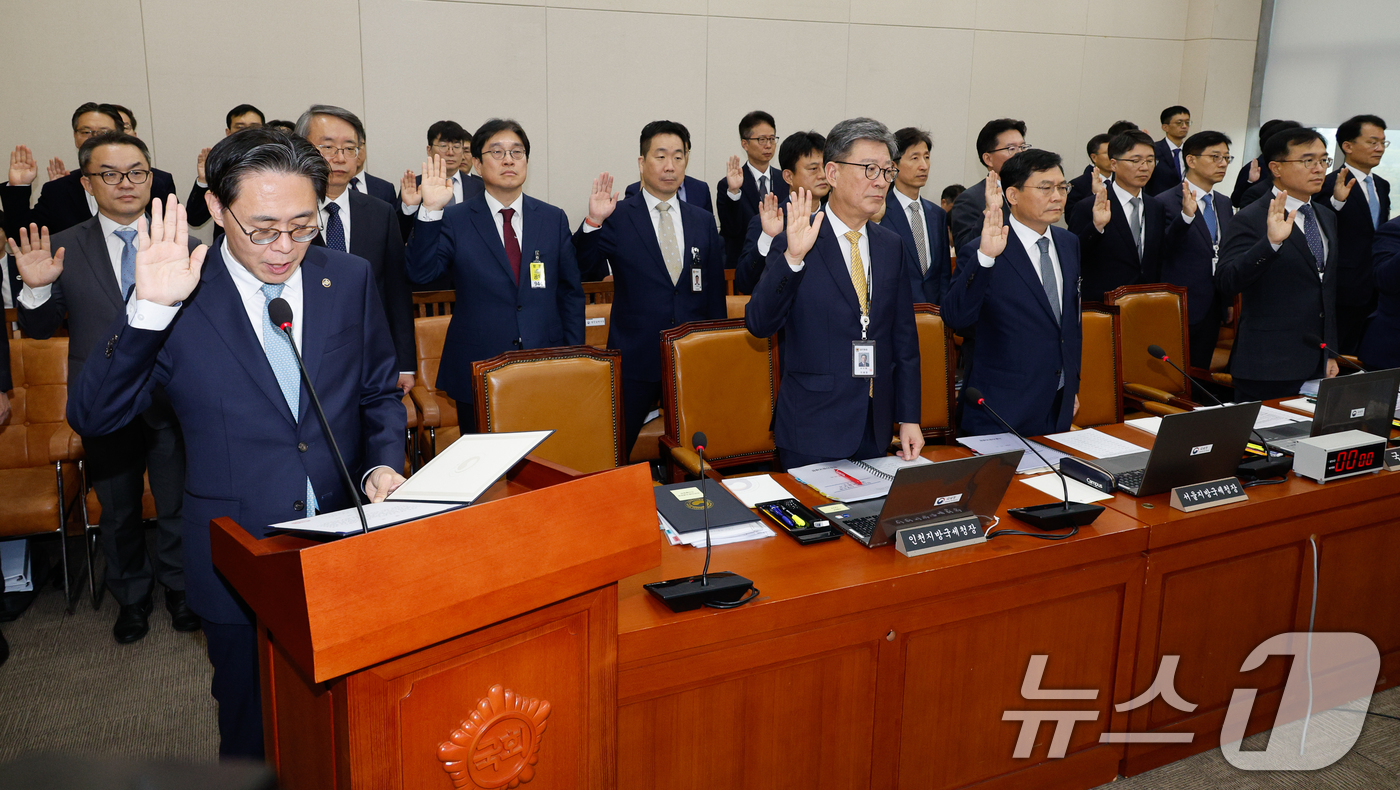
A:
(1110, 259)
(1187, 258)
(472, 187)
(734, 215)
(1263, 188)
(927, 286)
(645, 301)
(1165, 175)
(6, 382)
(245, 448)
(1080, 187)
(494, 313)
(380, 188)
(821, 407)
(1356, 283)
(62, 202)
(697, 193)
(1380, 348)
(965, 220)
(1284, 300)
(1020, 349)
(196, 209)
(89, 296)
(1242, 182)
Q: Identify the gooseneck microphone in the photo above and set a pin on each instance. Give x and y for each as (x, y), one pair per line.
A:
(281, 314)
(1328, 349)
(1273, 464)
(698, 441)
(1061, 515)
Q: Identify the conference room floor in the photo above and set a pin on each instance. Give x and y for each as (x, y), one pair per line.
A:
(69, 687)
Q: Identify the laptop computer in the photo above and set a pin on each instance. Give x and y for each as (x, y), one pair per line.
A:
(1191, 447)
(1359, 401)
(930, 494)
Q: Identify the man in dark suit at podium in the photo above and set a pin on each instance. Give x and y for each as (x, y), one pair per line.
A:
(198, 325)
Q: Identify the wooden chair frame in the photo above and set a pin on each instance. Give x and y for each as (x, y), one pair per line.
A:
(1111, 310)
(1162, 402)
(949, 433)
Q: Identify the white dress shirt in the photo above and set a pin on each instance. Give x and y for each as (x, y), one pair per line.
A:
(33, 297)
(91, 203)
(904, 203)
(675, 219)
(1361, 185)
(1214, 204)
(325, 216)
(1029, 240)
(757, 174)
(1291, 204)
(841, 229)
(517, 221)
(5, 297)
(456, 194)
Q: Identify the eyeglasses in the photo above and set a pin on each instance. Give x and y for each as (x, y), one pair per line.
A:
(1139, 161)
(1219, 159)
(1015, 149)
(350, 151)
(1381, 144)
(451, 148)
(769, 140)
(84, 131)
(300, 234)
(113, 177)
(1311, 163)
(1047, 189)
(873, 171)
(500, 153)
(1184, 124)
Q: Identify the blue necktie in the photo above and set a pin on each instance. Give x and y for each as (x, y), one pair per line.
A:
(127, 236)
(278, 348)
(1208, 211)
(335, 230)
(1313, 234)
(1373, 201)
(355, 183)
(1176, 161)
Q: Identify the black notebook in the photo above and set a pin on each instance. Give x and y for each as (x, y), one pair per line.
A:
(680, 504)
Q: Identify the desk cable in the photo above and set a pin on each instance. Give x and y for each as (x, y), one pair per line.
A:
(1043, 536)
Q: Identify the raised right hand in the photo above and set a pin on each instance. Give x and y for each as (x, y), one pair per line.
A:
(770, 215)
(1188, 199)
(436, 190)
(1280, 220)
(1341, 190)
(408, 189)
(994, 229)
(37, 266)
(802, 227)
(734, 174)
(23, 169)
(1253, 170)
(166, 271)
(602, 200)
(199, 165)
(56, 169)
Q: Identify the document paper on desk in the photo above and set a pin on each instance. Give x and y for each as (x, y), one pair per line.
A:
(994, 443)
(1094, 443)
(853, 481)
(1269, 417)
(466, 468)
(377, 514)
(1054, 485)
(753, 489)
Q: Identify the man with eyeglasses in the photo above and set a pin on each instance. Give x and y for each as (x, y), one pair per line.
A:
(1200, 218)
(998, 141)
(1018, 288)
(85, 274)
(450, 141)
(837, 286)
(356, 223)
(510, 256)
(922, 225)
(801, 158)
(244, 116)
(197, 324)
(1121, 228)
(746, 183)
(1171, 169)
(1280, 255)
(1365, 206)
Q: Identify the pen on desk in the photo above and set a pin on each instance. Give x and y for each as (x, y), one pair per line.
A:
(777, 510)
(848, 477)
(792, 514)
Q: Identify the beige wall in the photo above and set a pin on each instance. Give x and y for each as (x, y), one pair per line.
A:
(582, 76)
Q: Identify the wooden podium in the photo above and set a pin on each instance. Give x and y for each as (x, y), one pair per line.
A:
(477, 648)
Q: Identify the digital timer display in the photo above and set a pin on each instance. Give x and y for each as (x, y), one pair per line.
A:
(1356, 459)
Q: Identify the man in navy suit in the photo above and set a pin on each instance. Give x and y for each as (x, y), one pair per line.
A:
(1200, 216)
(244, 116)
(197, 325)
(692, 191)
(745, 184)
(446, 139)
(667, 264)
(922, 225)
(510, 255)
(356, 223)
(1171, 168)
(840, 289)
(1100, 168)
(1365, 205)
(801, 156)
(1381, 346)
(1255, 174)
(998, 141)
(1280, 256)
(1121, 229)
(1020, 288)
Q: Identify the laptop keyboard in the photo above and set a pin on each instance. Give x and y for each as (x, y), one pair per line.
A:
(863, 526)
(1130, 481)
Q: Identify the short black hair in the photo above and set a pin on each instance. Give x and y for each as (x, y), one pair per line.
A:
(952, 191)
(1092, 147)
(281, 126)
(1270, 127)
(1120, 127)
(1276, 147)
(1200, 141)
(991, 130)
(1127, 141)
(242, 109)
(262, 150)
(1020, 167)
(748, 122)
(664, 127)
(448, 132)
(1351, 127)
(124, 111)
(800, 144)
(92, 106)
(908, 137)
(494, 127)
(1175, 109)
(110, 138)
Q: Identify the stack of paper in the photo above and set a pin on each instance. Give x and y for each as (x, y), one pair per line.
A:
(756, 488)
(1095, 443)
(1148, 424)
(1303, 404)
(1053, 485)
(1005, 442)
(14, 563)
(738, 533)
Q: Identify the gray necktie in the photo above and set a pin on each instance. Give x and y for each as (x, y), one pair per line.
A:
(670, 247)
(916, 223)
(127, 235)
(1047, 279)
(1135, 223)
(453, 182)
(762, 186)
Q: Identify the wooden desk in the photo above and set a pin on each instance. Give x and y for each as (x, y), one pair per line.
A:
(863, 668)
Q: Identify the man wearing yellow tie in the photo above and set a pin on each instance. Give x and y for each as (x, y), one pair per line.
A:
(836, 283)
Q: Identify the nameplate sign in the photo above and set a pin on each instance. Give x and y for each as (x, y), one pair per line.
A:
(1392, 459)
(916, 541)
(1200, 496)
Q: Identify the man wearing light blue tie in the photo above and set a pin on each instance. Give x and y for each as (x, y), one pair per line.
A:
(1365, 205)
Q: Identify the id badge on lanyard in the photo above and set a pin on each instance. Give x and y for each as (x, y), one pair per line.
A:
(537, 272)
(696, 282)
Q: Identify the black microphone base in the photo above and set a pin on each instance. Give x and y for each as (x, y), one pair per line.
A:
(684, 594)
(1059, 515)
(1265, 468)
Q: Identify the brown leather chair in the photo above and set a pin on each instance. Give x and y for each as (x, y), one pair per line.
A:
(936, 372)
(410, 441)
(596, 319)
(40, 477)
(734, 305)
(717, 378)
(1100, 385)
(427, 304)
(437, 413)
(1153, 314)
(574, 390)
